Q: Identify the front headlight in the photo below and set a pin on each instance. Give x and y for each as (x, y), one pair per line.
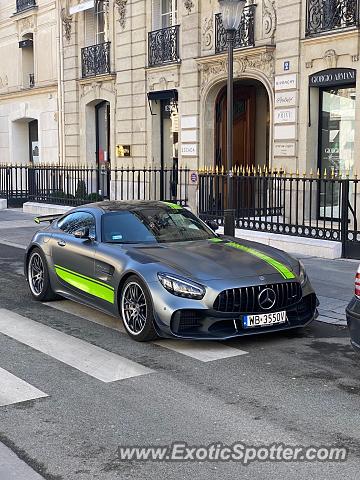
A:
(181, 287)
(302, 274)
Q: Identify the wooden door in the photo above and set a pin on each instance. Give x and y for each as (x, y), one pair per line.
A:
(244, 127)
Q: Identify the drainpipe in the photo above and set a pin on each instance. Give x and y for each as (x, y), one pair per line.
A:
(60, 68)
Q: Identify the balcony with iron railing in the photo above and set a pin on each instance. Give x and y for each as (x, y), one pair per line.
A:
(163, 46)
(325, 16)
(95, 60)
(244, 36)
(22, 5)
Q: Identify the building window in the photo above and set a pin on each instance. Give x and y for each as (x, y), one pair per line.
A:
(328, 15)
(97, 23)
(164, 13)
(27, 60)
(168, 13)
(22, 5)
(337, 129)
(95, 56)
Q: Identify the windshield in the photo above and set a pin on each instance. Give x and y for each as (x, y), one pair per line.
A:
(153, 225)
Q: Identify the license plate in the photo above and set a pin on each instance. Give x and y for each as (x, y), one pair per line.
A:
(264, 320)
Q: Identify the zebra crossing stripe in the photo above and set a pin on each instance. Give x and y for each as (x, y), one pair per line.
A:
(90, 359)
(15, 390)
(205, 351)
(87, 313)
(201, 350)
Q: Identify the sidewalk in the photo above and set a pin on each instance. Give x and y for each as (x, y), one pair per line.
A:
(333, 280)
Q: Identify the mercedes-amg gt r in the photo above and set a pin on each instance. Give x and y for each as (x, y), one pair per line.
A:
(166, 273)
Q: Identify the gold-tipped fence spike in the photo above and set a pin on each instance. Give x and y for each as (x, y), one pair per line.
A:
(217, 170)
(311, 172)
(222, 169)
(332, 172)
(325, 173)
(318, 172)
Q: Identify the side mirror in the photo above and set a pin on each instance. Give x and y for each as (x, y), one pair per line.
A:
(83, 233)
(212, 224)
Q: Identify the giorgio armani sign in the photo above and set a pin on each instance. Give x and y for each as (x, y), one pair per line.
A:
(333, 77)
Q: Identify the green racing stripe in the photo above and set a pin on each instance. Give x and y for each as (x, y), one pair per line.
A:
(174, 206)
(284, 271)
(86, 284)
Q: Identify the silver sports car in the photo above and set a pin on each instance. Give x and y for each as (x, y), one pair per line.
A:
(166, 273)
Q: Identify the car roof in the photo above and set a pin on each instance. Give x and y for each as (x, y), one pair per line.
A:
(116, 205)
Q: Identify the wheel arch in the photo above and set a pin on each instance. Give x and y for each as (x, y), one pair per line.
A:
(123, 279)
(27, 257)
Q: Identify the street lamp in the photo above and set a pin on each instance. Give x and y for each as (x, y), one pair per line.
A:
(231, 12)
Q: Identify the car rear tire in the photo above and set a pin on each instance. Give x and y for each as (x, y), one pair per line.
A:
(38, 277)
(137, 311)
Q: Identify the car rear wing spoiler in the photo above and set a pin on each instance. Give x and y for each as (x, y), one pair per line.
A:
(47, 218)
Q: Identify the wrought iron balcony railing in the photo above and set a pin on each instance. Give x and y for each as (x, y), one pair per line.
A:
(329, 15)
(95, 60)
(244, 35)
(164, 46)
(24, 4)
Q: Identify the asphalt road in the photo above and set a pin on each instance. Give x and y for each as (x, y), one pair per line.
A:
(297, 389)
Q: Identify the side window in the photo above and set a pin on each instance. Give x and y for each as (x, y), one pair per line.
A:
(76, 221)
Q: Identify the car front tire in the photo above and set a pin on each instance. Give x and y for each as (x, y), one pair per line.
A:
(38, 277)
(136, 310)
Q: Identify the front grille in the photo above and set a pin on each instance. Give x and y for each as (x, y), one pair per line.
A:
(245, 299)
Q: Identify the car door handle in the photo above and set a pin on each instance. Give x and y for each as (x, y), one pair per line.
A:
(61, 243)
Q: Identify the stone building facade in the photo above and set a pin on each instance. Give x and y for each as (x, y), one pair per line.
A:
(142, 82)
(29, 109)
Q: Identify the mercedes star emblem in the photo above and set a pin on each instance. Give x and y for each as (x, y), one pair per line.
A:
(267, 298)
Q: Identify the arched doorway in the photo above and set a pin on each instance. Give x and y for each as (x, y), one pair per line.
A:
(251, 125)
(102, 126)
(98, 144)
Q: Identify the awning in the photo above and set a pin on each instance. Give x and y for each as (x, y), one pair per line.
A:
(163, 95)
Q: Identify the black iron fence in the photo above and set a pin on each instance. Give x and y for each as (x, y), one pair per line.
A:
(163, 46)
(329, 15)
(325, 208)
(244, 36)
(95, 60)
(75, 185)
(24, 4)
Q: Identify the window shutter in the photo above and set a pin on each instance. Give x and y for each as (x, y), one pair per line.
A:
(89, 27)
(156, 14)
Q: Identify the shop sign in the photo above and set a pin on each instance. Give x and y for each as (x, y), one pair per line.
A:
(188, 122)
(284, 149)
(194, 178)
(333, 77)
(284, 132)
(285, 99)
(285, 115)
(189, 136)
(189, 149)
(123, 150)
(81, 7)
(285, 82)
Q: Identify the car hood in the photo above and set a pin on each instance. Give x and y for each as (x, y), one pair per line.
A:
(218, 259)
